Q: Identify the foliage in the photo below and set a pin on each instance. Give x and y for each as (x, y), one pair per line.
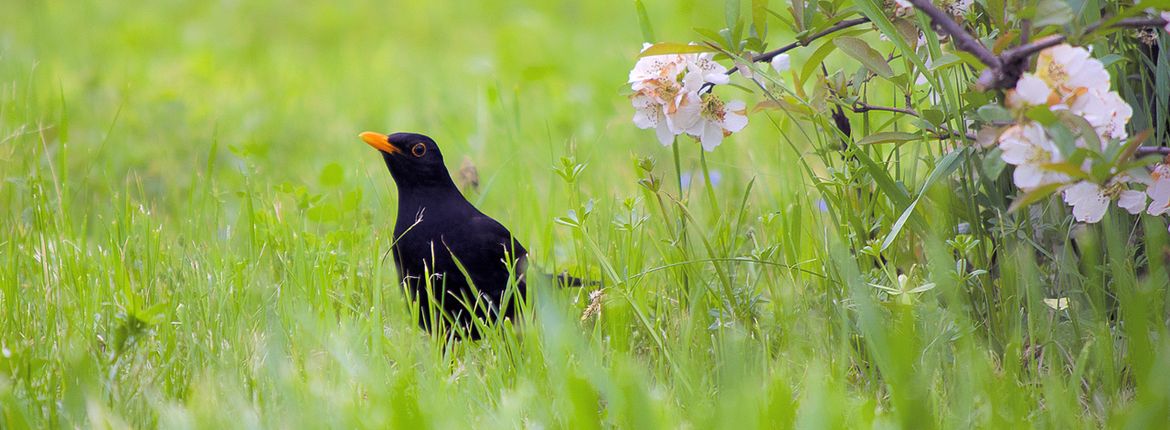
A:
(192, 236)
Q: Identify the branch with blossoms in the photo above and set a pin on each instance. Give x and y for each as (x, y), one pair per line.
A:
(779, 55)
(669, 97)
(1069, 136)
(1005, 69)
(1062, 125)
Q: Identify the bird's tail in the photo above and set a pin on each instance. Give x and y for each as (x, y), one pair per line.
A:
(565, 280)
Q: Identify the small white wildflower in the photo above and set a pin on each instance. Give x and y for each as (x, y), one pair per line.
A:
(1166, 17)
(1057, 304)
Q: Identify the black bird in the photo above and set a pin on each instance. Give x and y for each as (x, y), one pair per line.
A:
(441, 241)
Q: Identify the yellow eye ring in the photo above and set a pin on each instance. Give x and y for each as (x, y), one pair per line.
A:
(418, 150)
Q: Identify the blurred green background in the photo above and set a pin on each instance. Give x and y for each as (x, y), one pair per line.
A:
(276, 92)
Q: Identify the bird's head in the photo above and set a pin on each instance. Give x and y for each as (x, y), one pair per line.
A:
(413, 159)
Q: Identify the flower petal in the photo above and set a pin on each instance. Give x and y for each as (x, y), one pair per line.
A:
(781, 63)
(1088, 201)
(1132, 201)
(712, 136)
(1030, 91)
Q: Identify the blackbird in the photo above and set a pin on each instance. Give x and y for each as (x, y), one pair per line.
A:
(449, 255)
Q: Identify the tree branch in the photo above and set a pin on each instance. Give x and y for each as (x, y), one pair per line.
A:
(862, 107)
(1005, 69)
(962, 39)
(1151, 150)
(768, 56)
(943, 132)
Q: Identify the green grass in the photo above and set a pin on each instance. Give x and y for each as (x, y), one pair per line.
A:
(191, 235)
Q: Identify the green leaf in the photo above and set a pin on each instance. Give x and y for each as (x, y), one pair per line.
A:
(665, 48)
(883, 180)
(644, 22)
(798, 15)
(1132, 146)
(1062, 137)
(731, 12)
(889, 136)
(993, 163)
(1081, 128)
(874, 10)
(861, 51)
(1041, 114)
(814, 61)
(993, 113)
(1073, 170)
(901, 222)
(936, 117)
(1052, 12)
(944, 168)
(760, 16)
(1033, 196)
(944, 61)
(711, 35)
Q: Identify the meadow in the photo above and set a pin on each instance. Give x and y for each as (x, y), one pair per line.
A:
(193, 236)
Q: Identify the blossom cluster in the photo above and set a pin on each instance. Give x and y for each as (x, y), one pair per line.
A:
(1069, 80)
(668, 98)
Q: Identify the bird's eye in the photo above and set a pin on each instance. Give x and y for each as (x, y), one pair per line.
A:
(418, 150)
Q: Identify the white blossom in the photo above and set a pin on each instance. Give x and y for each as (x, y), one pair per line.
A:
(1068, 68)
(1159, 190)
(666, 98)
(1027, 147)
(718, 120)
(1088, 200)
(649, 113)
(1030, 90)
(706, 68)
(656, 67)
(1105, 111)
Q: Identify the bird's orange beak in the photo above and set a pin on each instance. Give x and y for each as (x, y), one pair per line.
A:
(380, 142)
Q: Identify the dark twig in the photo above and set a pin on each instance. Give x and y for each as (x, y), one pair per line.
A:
(861, 107)
(962, 39)
(1151, 150)
(768, 56)
(944, 132)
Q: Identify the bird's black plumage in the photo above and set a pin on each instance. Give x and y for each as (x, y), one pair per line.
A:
(441, 236)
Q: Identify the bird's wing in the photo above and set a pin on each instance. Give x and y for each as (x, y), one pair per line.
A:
(486, 250)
